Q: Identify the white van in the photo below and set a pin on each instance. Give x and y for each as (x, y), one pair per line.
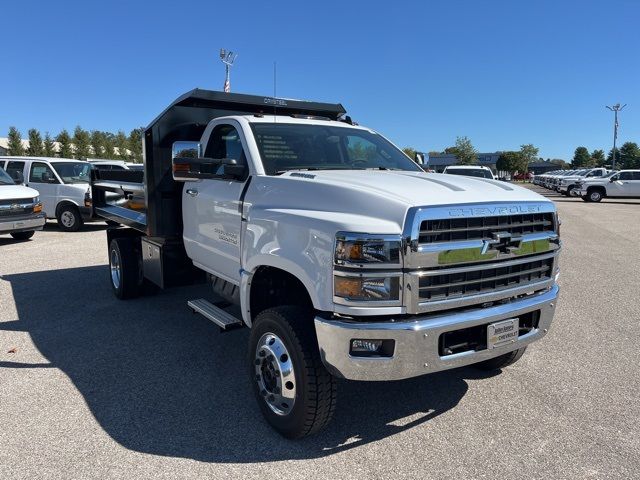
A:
(470, 171)
(63, 185)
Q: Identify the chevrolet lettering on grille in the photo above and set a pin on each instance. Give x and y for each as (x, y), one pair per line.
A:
(489, 211)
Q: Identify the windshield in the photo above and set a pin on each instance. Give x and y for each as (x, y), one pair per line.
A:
(79, 172)
(470, 172)
(5, 179)
(285, 146)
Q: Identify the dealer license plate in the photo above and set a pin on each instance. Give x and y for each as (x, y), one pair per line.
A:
(502, 333)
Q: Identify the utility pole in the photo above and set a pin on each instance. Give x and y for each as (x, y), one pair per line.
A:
(227, 57)
(615, 109)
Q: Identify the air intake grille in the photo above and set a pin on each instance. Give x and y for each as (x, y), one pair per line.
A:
(473, 282)
(478, 228)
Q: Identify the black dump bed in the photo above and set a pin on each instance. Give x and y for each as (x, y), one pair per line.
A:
(154, 207)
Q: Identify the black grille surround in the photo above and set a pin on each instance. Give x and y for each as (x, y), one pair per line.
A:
(492, 279)
(479, 228)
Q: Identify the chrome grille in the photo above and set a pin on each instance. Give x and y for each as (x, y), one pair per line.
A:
(482, 280)
(477, 228)
(467, 255)
(14, 208)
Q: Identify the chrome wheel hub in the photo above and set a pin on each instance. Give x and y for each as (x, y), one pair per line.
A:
(68, 219)
(274, 374)
(595, 196)
(114, 265)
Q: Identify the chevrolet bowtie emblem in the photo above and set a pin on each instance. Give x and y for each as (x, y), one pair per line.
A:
(503, 242)
(15, 206)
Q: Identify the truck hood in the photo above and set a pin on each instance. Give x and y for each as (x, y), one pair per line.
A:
(15, 192)
(418, 189)
(370, 201)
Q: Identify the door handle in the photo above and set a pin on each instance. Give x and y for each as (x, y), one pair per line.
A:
(192, 191)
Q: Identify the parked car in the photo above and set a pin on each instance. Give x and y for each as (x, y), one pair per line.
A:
(470, 171)
(568, 182)
(20, 208)
(63, 185)
(345, 258)
(622, 184)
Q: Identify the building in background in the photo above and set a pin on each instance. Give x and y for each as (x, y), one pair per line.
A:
(439, 162)
(538, 168)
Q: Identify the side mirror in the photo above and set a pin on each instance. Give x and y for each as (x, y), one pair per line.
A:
(231, 169)
(613, 179)
(188, 168)
(18, 178)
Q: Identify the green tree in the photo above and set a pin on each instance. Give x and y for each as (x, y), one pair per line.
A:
(410, 152)
(464, 151)
(81, 143)
(121, 143)
(97, 142)
(610, 155)
(629, 155)
(35, 148)
(48, 146)
(135, 144)
(14, 146)
(598, 158)
(65, 149)
(559, 162)
(528, 153)
(108, 151)
(581, 158)
(512, 162)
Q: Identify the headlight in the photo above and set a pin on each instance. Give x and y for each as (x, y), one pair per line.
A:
(359, 288)
(355, 249)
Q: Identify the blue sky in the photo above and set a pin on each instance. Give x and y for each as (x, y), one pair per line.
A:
(502, 73)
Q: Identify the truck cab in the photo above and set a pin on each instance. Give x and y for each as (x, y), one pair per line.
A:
(343, 257)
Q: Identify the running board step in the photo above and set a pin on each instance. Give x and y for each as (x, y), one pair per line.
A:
(223, 319)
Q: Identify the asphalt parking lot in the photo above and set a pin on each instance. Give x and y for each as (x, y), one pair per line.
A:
(91, 387)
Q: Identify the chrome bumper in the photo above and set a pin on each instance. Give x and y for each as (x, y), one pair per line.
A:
(417, 340)
(24, 224)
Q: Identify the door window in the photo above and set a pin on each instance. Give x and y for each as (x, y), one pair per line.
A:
(15, 169)
(225, 142)
(42, 173)
(625, 176)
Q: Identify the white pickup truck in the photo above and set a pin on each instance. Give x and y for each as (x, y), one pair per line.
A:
(345, 258)
(622, 184)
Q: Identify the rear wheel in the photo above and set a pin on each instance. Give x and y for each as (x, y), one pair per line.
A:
(502, 361)
(124, 268)
(69, 218)
(296, 394)
(22, 235)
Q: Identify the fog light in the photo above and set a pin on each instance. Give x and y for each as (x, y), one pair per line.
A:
(370, 346)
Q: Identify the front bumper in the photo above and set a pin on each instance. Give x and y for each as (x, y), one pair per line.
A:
(22, 224)
(417, 340)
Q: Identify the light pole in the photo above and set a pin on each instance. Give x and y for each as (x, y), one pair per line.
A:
(227, 57)
(615, 109)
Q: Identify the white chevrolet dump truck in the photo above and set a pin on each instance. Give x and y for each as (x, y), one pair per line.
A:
(345, 258)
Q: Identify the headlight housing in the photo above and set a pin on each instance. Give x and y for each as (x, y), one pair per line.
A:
(354, 288)
(364, 250)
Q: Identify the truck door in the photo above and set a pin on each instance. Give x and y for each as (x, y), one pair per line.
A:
(45, 181)
(211, 211)
(623, 186)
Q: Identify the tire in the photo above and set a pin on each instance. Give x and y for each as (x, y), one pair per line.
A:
(568, 192)
(23, 235)
(297, 403)
(595, 195)
(124, 268)
(502, 361)
(69, 218)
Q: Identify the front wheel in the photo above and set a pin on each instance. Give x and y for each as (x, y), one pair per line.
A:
(595, 195)
(502, 361)
(23, 235)
(296, 394)
(69, 218)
